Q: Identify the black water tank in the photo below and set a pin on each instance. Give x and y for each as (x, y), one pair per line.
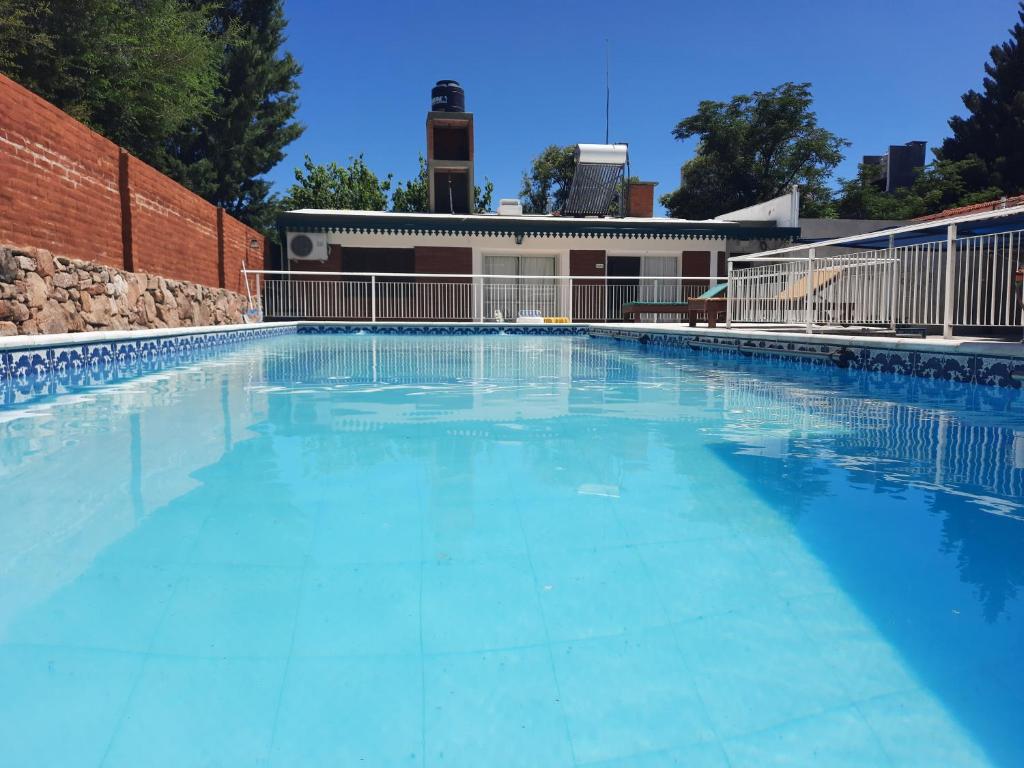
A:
(447, 96)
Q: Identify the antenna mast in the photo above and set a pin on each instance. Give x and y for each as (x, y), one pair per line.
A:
(607, 91)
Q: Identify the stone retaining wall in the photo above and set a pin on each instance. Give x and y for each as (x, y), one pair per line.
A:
(43, 293)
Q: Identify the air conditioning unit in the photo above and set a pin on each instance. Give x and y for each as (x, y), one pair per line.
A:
(307, 246)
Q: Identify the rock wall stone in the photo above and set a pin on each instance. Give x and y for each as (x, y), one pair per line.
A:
(43, 293)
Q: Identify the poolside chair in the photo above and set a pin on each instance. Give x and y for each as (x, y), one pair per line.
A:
(803, 289)
(710, 303)
(530, 317)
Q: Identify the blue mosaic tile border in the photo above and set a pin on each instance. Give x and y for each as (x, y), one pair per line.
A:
(548, 329)
(973, 369)
(26, 374)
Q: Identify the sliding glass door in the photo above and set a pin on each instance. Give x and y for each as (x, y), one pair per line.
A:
(524, 289)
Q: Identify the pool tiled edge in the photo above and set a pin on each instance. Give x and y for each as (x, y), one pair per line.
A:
(974, 362)
(445, 329)
(38, 366)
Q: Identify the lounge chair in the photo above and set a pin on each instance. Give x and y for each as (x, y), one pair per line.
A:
(803, 290)
(711, 303)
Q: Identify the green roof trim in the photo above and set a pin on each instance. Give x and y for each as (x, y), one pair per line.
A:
(549, 226)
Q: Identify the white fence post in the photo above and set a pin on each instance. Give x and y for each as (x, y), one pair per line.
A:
(947, 314)
(569, 306)
(729, 294)
(893, 280)
(373, 298)
(809, 319)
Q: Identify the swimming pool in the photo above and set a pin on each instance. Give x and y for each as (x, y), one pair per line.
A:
(489, 550)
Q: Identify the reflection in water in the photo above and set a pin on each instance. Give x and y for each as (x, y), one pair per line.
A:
(910, 493)
(963, 445)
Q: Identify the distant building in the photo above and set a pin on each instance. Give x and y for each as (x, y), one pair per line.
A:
(461, 256)
(899, 165)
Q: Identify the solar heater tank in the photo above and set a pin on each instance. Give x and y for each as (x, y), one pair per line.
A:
(447, 96)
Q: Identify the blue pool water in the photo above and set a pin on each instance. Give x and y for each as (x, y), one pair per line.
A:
(491, 551)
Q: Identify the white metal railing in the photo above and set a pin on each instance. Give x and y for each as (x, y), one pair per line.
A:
(386, 296)
(957, 281)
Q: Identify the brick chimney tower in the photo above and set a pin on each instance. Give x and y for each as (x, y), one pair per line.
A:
(449, 150)
(641, 199)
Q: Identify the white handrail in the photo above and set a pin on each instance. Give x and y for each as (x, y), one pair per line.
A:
(851, 240)
(958, 281)
(461, 297)
(470, 276)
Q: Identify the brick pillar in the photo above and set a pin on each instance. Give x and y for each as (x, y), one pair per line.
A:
(124, 190)
(641, 199)
(220, 247)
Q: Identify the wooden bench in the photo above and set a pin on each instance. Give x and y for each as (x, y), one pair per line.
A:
(714, 309)
(633, 309)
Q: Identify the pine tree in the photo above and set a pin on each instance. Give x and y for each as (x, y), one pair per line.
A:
(993, 130)
(223, 156)
(134, 71)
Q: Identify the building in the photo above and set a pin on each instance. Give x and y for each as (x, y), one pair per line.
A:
(449, 150)
(496, 264)
(900, 165)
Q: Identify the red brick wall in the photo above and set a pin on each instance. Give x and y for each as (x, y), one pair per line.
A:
(174, 232)
(641, 199)
(58, 181)
(236, 248)
(61, 189)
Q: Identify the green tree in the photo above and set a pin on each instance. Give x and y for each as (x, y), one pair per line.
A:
(413, 196)
(134, 71)
(942, 184)
(353, 187)
(993, 130)
(546, 185)
(753, 148)
(482, 196)
(223, 154)
(20, 33)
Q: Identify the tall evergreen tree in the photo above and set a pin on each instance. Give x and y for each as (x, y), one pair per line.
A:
(134, 71)
(223, 155)
(993, 130)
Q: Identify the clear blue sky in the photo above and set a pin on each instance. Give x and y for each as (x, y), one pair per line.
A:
(883, 72)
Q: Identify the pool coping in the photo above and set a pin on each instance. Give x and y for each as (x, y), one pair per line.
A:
(60, 356)
(37, 341)
(971, 361)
